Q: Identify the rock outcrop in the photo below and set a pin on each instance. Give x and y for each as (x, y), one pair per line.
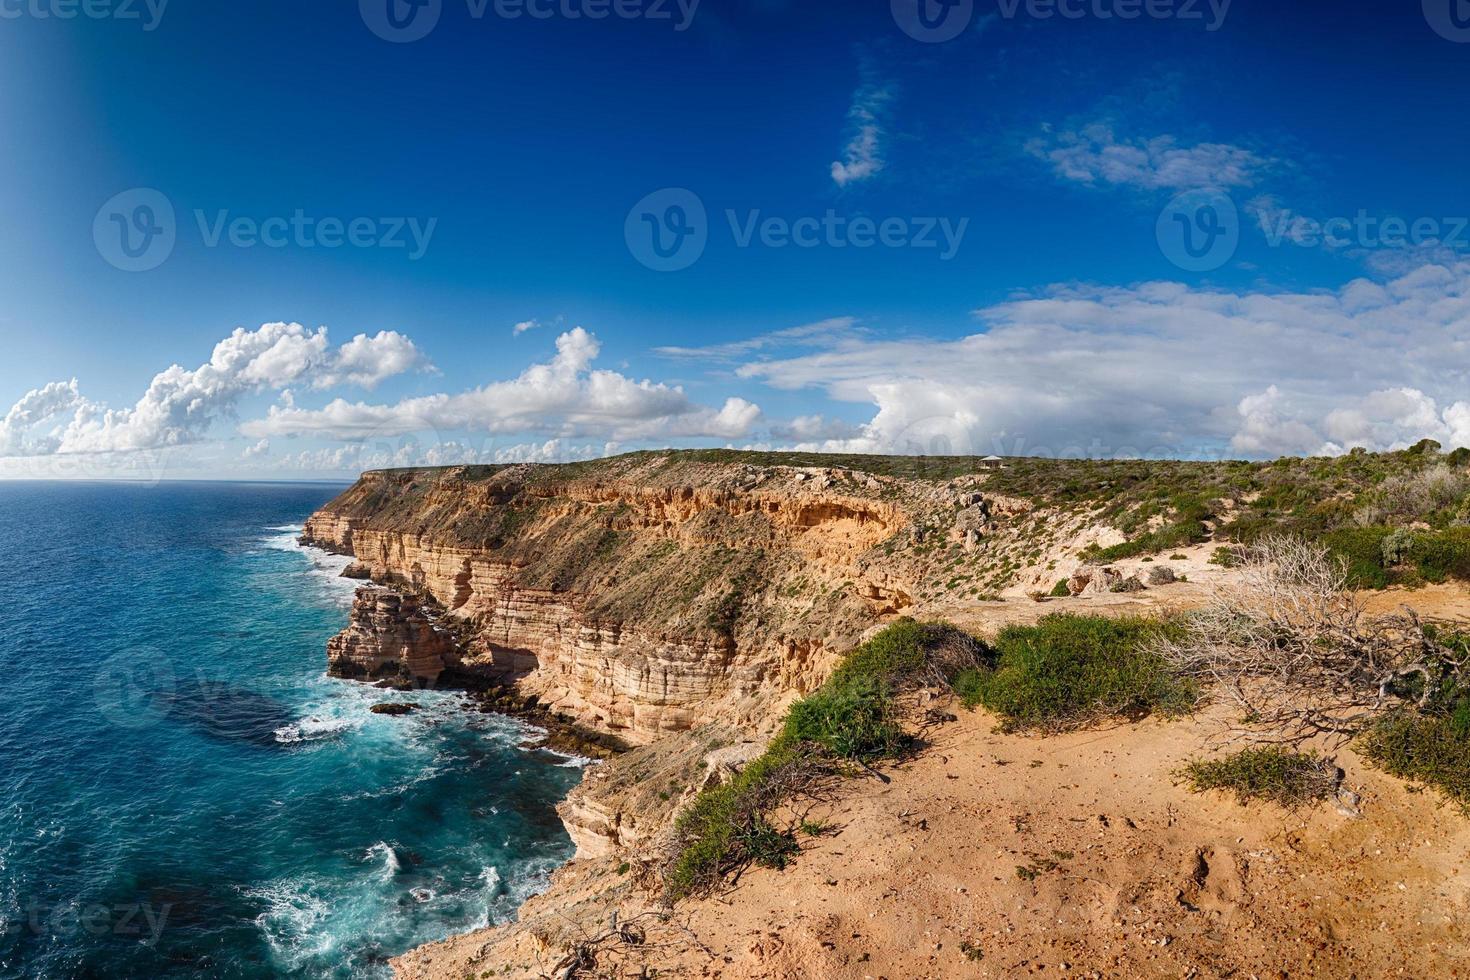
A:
(629, 595)
(390, 636)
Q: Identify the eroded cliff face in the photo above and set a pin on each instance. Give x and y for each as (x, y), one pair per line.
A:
(634, 596)
(390, 636)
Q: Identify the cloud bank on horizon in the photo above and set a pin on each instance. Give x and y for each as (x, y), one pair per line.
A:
(1158, 369)
(792, 293)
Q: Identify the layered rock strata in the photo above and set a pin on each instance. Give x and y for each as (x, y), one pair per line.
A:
(389, 636)
(638, 598)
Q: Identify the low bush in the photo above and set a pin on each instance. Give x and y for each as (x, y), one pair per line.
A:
(851, 721)
(1361, 551)
(1225, 557)
(1431, 749)
(1060, 590)
(1274, 774)
(1438, 555)
(1069, 670)
(969, 686)
(1431, 494)
(726, 827)
(1188, 513)
(850, 718)
(1377, 557)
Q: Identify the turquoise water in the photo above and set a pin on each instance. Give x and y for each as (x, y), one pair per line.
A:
(183, 792)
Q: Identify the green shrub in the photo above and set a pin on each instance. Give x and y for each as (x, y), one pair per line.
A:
(726, 827)
(1070, 670)
(1439, 555)
(850, 717)
(1060, 590)
(895, 652)
(1396, 546)
(1225, 557)
(1187, 527)
(853, 720)
(766, 846)
(969, 686)
(1429, 749)
(1274, 774)
(1361, 548)
(1372, 552)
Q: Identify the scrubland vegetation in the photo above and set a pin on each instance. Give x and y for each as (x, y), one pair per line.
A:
(1433, 749)
(1069, 670)
(1270, 773)
(851, 721)
(1286, 642)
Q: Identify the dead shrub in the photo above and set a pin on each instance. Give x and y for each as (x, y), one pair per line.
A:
(1293, 647)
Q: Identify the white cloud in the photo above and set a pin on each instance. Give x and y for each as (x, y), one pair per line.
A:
(1164, 368)
(524, 326)
(564, 397)
(34, 408)
(811, 431)
(862, 157)
(368, 361)
(1094, 155)
(1268, 427)
(180, 405)
(356, 457)
(261, 448)
(820, 333)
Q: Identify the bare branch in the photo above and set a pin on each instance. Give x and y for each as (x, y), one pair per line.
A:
(1290, 644)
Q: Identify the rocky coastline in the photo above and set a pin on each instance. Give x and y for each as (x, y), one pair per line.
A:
(399, 641)
(655, 613)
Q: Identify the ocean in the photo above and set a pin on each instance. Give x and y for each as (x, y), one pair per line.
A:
(184, 792)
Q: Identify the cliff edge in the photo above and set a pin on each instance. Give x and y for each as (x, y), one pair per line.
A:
(640, 595)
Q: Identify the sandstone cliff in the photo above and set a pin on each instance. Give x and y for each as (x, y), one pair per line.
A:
(390, 636)
(680, 599)
(656, 592)
(631, 595)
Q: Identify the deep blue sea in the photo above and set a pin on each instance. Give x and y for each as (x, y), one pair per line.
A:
(184, 792)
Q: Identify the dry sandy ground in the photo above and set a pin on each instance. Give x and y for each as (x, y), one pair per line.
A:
(1125, 874)
(995, 855)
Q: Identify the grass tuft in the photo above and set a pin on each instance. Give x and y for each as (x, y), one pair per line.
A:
(1430, 749)
(1274, 774)
(1070, 670)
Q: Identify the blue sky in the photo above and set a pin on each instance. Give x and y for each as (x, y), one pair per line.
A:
(991, 226)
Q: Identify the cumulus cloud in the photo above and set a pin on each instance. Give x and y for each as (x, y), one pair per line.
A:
(1094, 155)
(810, 431)
(564, 397)
(34, 408)
(181, 404)
(368, 361)
(1269, 426)
(862, 157)
(524, 326)
(1166, 369)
